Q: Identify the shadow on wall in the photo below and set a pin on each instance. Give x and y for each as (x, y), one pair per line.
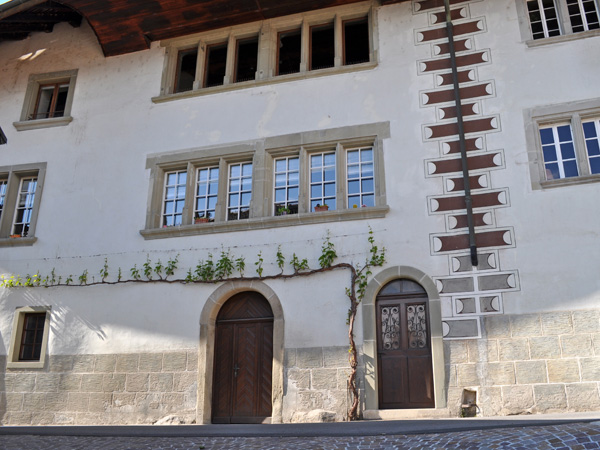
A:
(2, 384)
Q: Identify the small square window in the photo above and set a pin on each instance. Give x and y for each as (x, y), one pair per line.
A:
(29, 338)
(48, 100)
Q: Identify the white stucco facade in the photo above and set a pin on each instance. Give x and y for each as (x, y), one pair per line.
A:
(99, 188)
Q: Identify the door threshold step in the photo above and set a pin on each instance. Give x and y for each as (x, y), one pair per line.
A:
(406, 414)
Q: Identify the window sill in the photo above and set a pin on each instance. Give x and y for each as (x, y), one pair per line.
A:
(25, 364)
(266, 81)
(17, 242)
(260, 223)
(570, 181)
(562, 38)
(43, 123)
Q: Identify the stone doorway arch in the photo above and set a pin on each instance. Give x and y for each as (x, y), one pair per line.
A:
(206, 350)
(370, 331)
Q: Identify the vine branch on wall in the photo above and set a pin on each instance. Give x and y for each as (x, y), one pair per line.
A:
(212, 271)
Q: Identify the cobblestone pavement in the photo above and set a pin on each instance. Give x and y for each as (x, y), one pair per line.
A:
(578, 436)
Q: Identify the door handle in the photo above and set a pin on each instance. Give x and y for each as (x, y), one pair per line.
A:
(235, 370)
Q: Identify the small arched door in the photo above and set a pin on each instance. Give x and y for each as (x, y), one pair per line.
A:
(243, 365)
(404, 363)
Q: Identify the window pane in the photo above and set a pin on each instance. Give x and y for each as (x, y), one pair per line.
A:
(293, 194)
(216, 58)
(567, 150)
(549, 153)
(356, 41)
(293, 164)
(246, 59)
(552, 172)
(240, 191)
(246, 197)
(322, 47)
(174, 198)
(368, 200)
(280, 179)
(354, 202)
(289, 52)
(330, 190)
(316, 161)
(315, 176)
(247, 170)
(286, 183)
(24, 207)
(571, 169)
(186, 70)
(329, 174)
(589, 129)
(316, 191)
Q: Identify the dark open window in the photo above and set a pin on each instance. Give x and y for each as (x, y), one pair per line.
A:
(356, 41)
(51, 101)
(186, 70)
(322, 47)
(216, 59)
(31, 339)
(288, 52)
(246, 59)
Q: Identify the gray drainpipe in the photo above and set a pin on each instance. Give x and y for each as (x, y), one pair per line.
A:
(461, 137)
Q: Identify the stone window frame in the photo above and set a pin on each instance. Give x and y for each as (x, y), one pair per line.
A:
(36, 81)
(567, 33)
(262, 153)
(340, 148)
(573, 113)
(267, 31)
(14, 175)
(16, 336)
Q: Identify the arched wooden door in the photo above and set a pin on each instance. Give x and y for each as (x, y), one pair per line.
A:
(243, 361)
(405, 371)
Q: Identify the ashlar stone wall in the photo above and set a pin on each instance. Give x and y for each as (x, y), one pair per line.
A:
(533, 363)
(101, 389)
(316, 379)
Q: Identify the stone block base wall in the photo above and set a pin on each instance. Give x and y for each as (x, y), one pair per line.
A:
(533, 363)
(101, 389)
(316, 379)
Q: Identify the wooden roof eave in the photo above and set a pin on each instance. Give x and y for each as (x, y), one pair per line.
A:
(125, 26)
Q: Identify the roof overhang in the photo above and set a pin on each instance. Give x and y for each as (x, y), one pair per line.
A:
(125, 26)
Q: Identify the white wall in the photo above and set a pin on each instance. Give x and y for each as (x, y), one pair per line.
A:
(96, 189)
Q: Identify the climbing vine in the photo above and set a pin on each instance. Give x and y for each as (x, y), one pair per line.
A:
(229, 268)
